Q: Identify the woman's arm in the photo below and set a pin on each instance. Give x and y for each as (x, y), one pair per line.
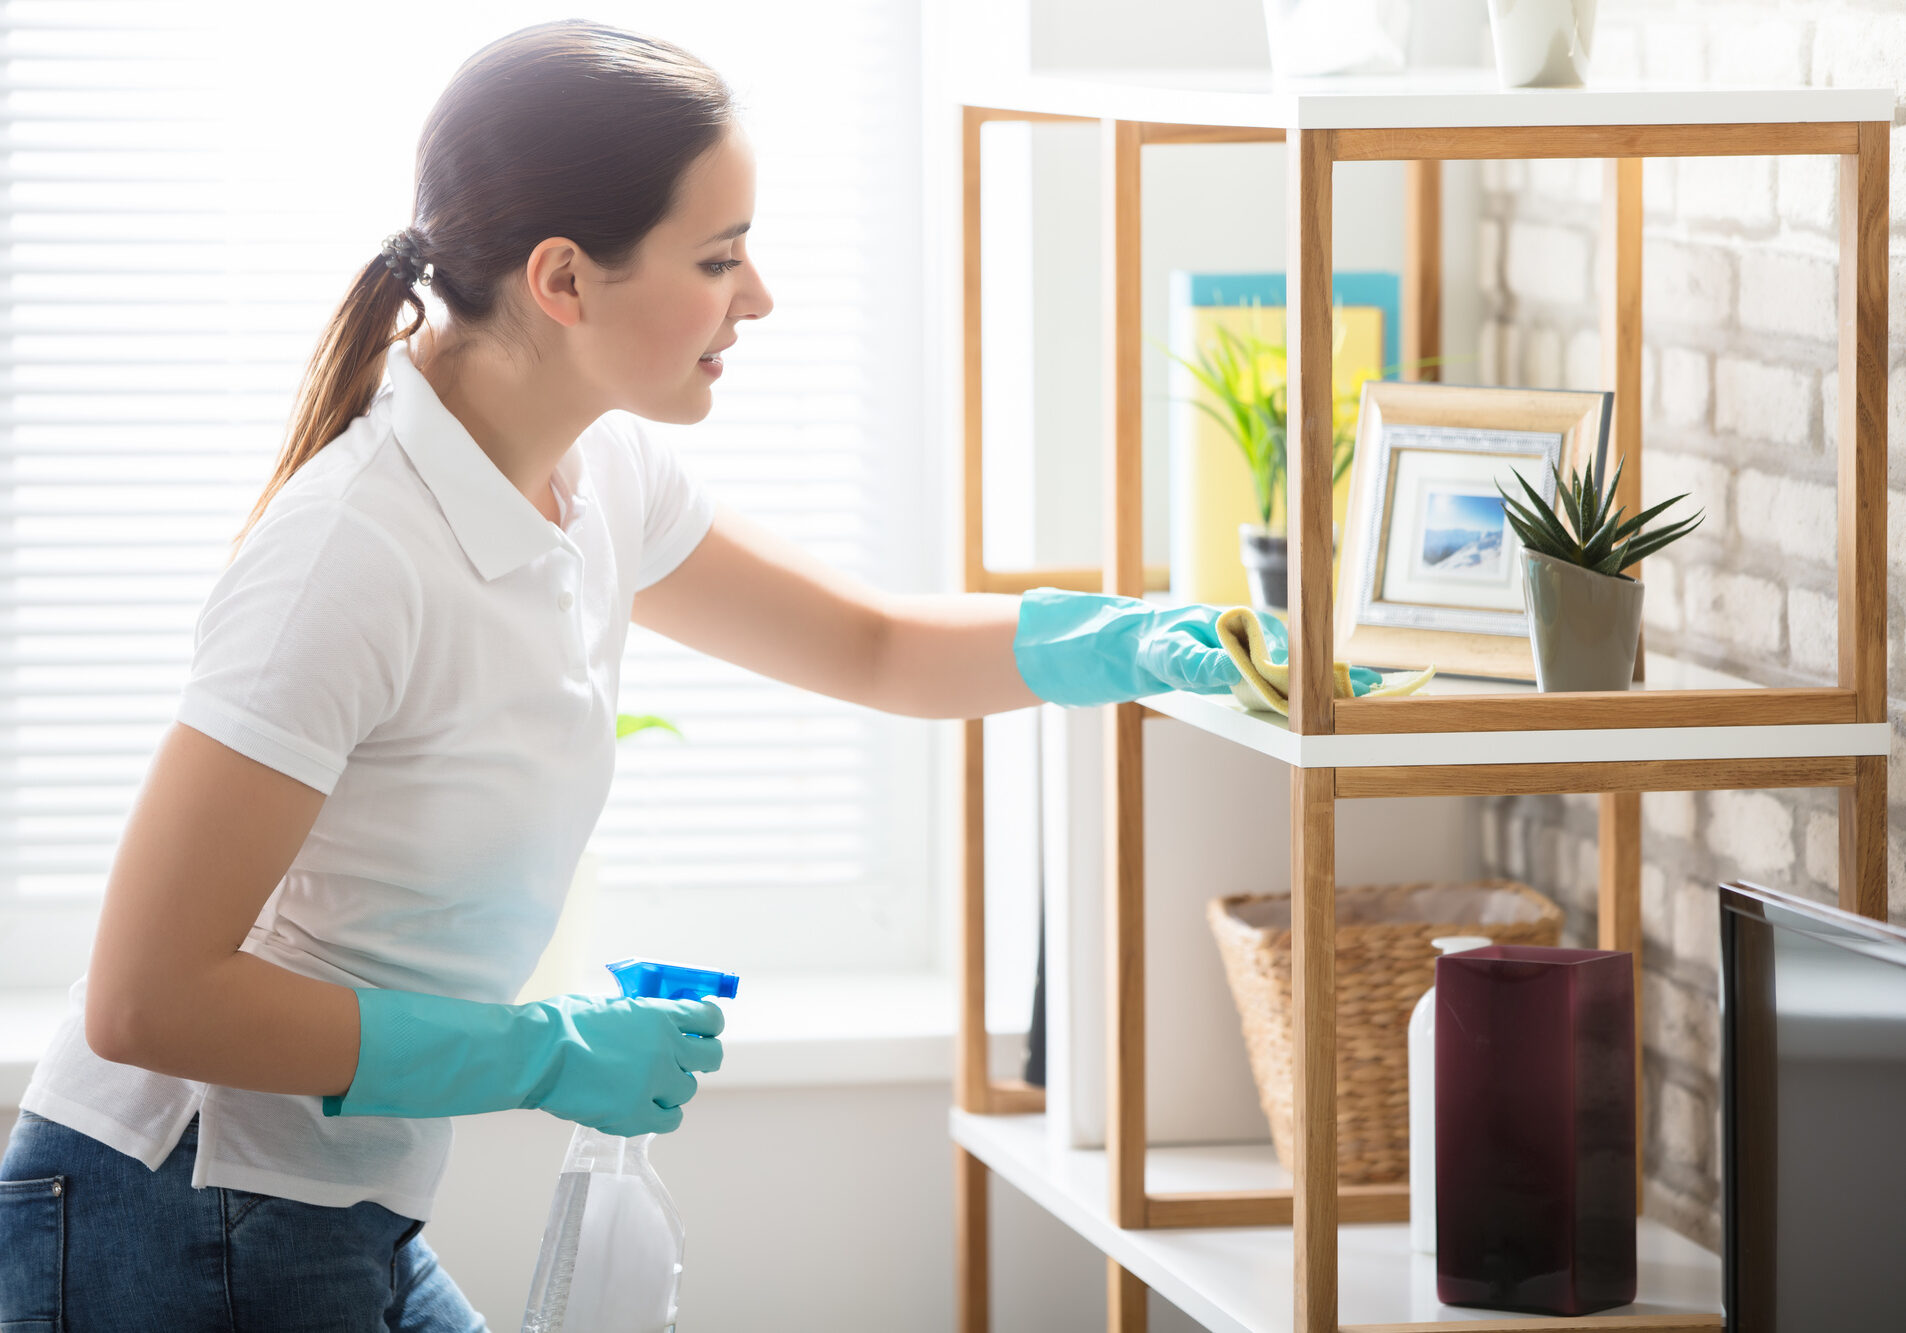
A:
(749, 596)
(208, 839)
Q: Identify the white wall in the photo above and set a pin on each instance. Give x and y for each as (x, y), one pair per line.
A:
(808, 1210)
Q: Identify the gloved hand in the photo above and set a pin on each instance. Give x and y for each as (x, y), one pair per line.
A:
(623, 1066)
(1080, 648)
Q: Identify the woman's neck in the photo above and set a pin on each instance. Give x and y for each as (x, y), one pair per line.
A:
(504, 410)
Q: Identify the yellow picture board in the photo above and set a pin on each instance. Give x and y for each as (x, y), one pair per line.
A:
(1212, 492)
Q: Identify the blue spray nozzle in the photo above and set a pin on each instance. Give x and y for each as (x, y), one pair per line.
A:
(642, 979)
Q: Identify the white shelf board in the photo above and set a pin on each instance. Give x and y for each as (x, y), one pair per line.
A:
(1415, 99)
(1270, 734)
(1238, 1279)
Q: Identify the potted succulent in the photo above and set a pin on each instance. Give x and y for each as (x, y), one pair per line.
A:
(1584, 613)
(1246, 373)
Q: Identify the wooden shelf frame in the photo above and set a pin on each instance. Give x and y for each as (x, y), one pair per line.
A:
(1316, 1203)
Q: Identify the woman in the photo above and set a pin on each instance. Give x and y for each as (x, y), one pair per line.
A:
(398, 730)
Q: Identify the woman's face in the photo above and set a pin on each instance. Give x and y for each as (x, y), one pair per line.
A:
(691, 284)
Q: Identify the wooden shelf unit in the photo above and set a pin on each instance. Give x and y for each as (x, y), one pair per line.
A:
(1713, 737)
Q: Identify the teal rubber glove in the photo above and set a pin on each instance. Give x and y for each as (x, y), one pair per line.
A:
(623, 1066)
(1081, 648)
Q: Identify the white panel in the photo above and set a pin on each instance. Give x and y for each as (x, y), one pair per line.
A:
(1217, 822)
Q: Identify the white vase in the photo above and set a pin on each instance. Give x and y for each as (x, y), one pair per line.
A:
(1542, 43)
(1423, 1104)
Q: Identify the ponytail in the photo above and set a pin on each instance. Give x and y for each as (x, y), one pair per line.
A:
(343, 374)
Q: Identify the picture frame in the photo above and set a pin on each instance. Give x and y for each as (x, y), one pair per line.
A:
(1429, 572)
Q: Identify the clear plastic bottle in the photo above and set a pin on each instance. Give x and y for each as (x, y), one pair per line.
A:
(1423, 1103)
(611, 1258)
(612, 1250)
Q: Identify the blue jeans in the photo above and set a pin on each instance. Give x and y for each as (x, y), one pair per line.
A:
(90, 1239)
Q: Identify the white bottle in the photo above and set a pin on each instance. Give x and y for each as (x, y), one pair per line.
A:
(1423, 1104)
(612, 1252)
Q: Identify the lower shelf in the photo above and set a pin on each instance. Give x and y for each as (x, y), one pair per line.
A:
(1238, 1279)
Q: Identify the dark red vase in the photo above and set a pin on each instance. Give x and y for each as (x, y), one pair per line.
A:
(1535, 1129)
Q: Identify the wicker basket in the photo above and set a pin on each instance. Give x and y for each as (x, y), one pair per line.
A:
(1384, 964)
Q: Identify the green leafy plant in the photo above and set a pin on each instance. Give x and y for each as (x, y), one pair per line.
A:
(1602, 540)
(628, 723)
(1248, 374)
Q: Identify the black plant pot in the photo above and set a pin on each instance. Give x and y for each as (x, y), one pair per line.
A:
(1267, 563)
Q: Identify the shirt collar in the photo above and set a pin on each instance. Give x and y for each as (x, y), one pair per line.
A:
(498, 527)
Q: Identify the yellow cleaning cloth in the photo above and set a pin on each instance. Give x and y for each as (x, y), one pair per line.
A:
(1266, 683)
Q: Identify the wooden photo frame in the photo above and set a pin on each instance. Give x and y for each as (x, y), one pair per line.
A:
(1430, 574)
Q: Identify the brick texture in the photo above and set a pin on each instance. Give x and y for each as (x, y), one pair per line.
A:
(1739, 274)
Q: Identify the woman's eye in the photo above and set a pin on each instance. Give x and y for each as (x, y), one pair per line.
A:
(721, 266)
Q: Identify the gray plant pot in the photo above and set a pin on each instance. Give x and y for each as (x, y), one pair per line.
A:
(1267, 564)
(1584, 626)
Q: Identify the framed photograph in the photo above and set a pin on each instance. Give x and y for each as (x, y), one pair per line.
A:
(1431, 570)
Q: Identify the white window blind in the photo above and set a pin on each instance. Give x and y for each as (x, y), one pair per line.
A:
(187, 190)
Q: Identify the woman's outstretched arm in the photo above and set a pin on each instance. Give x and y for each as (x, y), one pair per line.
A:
(750, 596)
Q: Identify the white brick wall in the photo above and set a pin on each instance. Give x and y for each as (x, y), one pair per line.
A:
(1813, 632)
(1686, 386)
(1809, 192)
(1795, 517)
(1672, 50)
(1703, 480)
(1670, 813)
(1762, 401)
(1548, 263)
(1739, 611)
(1859, 47)
(1684, 284)
(1730, 193)
(1789, 294)
(1767, 50)
(1697, 944)
(1752, 829)
(1823, 849)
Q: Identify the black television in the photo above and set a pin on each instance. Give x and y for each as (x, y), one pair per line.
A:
(1813, 1116)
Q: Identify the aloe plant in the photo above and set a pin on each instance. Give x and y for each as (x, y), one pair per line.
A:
(1602, 540)
(1247, 373)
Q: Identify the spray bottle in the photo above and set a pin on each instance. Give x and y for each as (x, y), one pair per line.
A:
(612, 1249)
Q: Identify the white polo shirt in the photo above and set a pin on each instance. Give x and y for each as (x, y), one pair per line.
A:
(403, 631)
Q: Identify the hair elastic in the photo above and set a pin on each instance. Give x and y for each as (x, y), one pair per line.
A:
(402, 258)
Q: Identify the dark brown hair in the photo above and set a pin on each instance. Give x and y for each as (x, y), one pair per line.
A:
(570, 128)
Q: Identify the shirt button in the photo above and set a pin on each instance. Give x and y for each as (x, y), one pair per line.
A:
(565, 601)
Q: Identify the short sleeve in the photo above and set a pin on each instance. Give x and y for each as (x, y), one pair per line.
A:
(305, 642)
(676, 508)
